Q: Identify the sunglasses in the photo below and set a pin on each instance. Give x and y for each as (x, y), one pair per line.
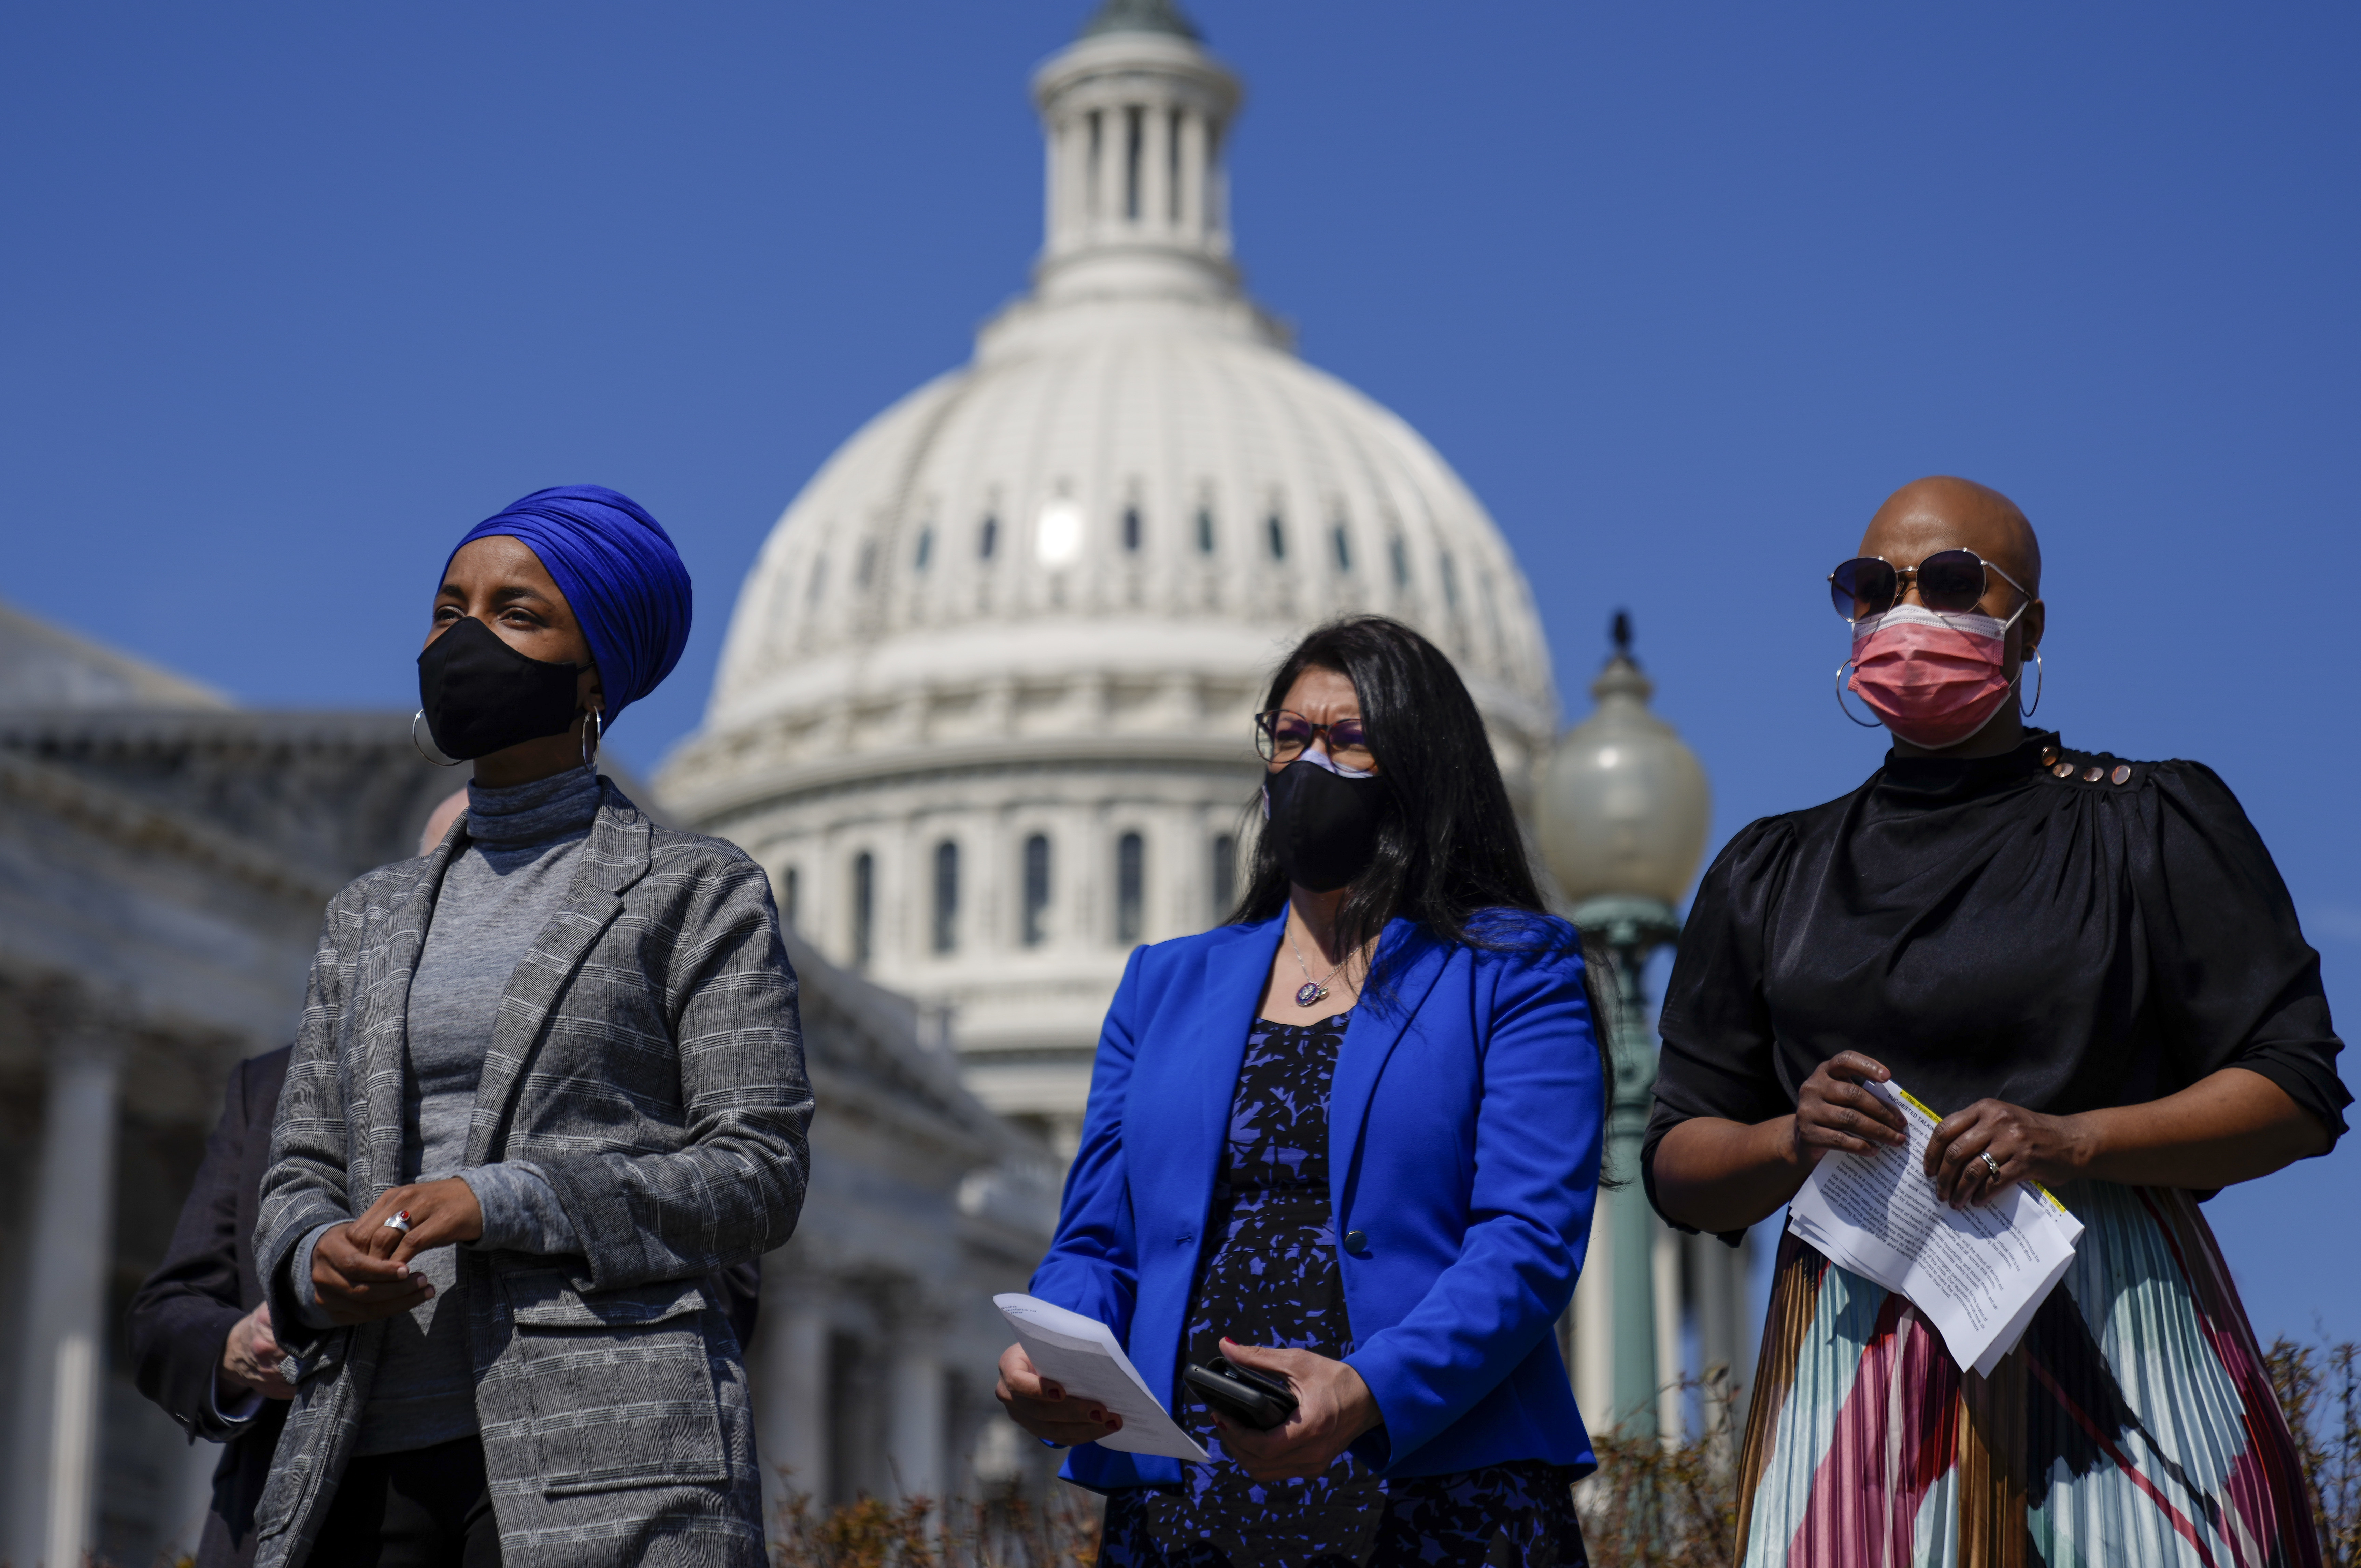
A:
(1949, 582)
(1282, 736)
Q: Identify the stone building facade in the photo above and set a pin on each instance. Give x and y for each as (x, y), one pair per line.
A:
(164, 857)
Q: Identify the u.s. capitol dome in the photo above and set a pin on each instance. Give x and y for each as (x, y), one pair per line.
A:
(984, 707)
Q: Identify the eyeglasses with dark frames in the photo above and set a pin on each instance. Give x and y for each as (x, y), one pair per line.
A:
(1282, 736)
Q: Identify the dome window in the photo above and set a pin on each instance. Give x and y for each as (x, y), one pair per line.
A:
(1344, 549)
(926, 548)
(791, 900)
(1131, 530)
(1132, 140)
(864, 909)
(818, 581)
(1037, 890)
(1222, 885)
(1130, 887)
(1450, 582)
(1057, 534)
(1278, 537)
(947, 896)
(1402, 563)
(988, 540)
(867, 569)
(1204, 531)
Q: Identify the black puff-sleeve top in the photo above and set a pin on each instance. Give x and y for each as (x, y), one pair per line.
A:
(2062, 930)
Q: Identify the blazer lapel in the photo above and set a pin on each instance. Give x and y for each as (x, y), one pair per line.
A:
(383, 1020)
(1234, 975)
(615, 856)
(1377, 1026)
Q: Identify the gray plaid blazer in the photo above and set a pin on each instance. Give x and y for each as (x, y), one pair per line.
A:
(648, 1058)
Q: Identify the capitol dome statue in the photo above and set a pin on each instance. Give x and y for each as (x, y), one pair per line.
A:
(984, 710)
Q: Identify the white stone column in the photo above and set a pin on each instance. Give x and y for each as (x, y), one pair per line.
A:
(1192, 176)
(1746, 1330)
(1053, 176)
(61, 1357)
(1156, 168)
(1069, 145)
(1101, 193)
(1665, 1260)
(1594, 1326)
(914, 1439)
(1718, 1311)
(791, 1384)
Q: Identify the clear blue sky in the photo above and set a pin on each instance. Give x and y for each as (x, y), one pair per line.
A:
(295, 293)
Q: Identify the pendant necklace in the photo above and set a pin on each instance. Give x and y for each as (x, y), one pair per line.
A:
(1311, 992)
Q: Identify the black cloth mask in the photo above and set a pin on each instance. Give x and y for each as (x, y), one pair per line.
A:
(482, 695)
(1322, 824)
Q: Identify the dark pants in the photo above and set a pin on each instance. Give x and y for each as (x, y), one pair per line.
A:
(425, 1508)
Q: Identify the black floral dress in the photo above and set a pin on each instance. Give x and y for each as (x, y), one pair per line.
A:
(1268, 1277)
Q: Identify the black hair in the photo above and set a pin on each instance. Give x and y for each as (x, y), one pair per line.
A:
(1450, 847)
(1450, 855)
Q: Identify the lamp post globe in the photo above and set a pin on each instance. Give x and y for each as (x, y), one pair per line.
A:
(1624, 805)
(1623, 811)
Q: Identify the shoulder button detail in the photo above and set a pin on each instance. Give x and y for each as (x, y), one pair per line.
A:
(2050, 756)
(2064, 769)
(2090, 773)
(2122, 775)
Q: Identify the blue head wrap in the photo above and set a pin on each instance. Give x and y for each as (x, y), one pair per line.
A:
(618, 569)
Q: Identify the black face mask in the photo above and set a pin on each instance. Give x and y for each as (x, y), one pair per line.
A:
(1323, 826)
(482, 695)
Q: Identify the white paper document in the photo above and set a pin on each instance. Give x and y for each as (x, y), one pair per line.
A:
(1979, 1274)
(1081, 1355)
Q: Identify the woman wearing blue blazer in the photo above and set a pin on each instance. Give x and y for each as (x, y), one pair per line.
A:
(1349, 1143)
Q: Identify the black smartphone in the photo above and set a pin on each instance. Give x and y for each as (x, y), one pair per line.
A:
(1258, 1399)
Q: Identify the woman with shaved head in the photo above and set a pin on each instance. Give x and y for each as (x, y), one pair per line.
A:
(2092, 965)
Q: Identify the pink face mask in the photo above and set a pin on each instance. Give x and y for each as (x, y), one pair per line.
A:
(1934, 679)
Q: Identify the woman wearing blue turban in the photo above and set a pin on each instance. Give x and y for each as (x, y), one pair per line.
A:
(497, 1282)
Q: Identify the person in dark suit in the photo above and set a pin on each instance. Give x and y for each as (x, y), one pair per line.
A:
(200, 1329)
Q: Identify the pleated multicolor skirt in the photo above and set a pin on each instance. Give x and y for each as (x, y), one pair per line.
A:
(2134, 1425)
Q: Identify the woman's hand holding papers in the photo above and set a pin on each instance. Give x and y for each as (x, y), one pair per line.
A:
(1725, 1175)
(1332, 1407)
(2025, 1144)
(1834, 1112)
(1041, 1407)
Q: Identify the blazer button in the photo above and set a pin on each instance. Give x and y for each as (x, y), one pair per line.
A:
(1357, 1242)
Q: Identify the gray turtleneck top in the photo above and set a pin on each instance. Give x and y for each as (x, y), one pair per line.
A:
(509, 880)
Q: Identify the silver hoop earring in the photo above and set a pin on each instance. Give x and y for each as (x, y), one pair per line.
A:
(1864, 723)
(594, 729)
(2037, 684)
(438, 762)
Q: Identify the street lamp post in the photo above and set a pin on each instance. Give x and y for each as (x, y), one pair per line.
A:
(1623, 812)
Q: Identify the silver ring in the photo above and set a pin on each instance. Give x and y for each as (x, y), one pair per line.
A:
(1990, 1164)
(400, 1222)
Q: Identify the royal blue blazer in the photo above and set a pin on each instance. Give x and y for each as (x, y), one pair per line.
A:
(1464, 1126)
